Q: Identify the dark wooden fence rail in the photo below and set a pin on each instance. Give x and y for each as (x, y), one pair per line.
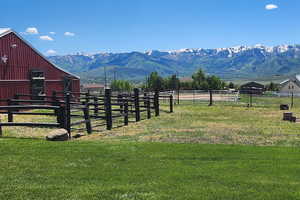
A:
(94, 110)
(12, 109)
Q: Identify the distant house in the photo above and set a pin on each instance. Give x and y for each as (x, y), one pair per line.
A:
(291, 85)
(252, 87)
(92, 87)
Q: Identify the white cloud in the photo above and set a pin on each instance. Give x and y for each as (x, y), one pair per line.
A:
(52, 33)
(69, 34)
(46, 37)
(271, 7)
(31, 31)
(51, 52)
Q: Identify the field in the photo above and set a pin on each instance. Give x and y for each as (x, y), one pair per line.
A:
(226, 151)
(223, 123)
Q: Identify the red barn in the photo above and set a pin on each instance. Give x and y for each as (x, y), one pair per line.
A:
(25, 70)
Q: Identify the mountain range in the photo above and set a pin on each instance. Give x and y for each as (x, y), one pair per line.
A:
(241, 62)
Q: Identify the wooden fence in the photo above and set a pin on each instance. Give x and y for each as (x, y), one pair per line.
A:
(92, 110)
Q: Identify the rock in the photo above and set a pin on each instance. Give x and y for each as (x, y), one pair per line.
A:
(78, 135)
(58, 135)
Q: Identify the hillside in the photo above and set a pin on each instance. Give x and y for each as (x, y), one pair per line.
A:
(241, 62)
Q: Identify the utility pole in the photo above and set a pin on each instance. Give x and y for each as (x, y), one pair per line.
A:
(105, 78)
(178, 87)
(291, 88)
(115, 74)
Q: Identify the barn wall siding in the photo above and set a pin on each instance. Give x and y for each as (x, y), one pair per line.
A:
(15, 74)
(22, 59)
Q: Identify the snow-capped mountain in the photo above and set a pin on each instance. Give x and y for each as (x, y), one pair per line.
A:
(232, 62)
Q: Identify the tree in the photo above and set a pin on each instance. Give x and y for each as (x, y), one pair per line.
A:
(199, 80)
(272, 87)
(121, 86)
(231, 85)
(215, 83)
(155, 82)
(186, 85)
(203, 82)
(172, 83)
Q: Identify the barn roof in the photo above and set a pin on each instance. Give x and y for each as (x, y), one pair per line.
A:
(252, 85)
(295, 79)
(5, 31)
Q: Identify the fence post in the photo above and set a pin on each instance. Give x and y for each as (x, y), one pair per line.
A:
(125, 111)
(87, 119)
(148, 105)
(0, 128)
(16, 97)
(68, 114)
(108, 112)
(137, 104)
(292, 100)
(156, 102)
(61, 116)
(210, 98)
(171, 103)
(87, 97)
(54, 98)
(96, 108)
(120, 101)
(10, 117)
(55, 103)
(145, 99)
(178, 95)
(193, 96)
(251, 95)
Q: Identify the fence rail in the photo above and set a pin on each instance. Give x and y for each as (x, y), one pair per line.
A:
(91, 110)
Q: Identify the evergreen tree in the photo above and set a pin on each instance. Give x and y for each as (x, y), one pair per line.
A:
(155, 82)
(231, 85)
(172, 83)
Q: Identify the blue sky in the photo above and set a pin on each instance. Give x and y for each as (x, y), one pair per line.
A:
(139, 25)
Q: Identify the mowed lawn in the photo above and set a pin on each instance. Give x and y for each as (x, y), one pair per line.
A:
(37, 169)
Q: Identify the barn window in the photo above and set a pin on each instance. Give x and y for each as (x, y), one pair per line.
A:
(67, 84)
(37, 84)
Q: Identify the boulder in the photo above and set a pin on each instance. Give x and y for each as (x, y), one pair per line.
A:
(58, 135)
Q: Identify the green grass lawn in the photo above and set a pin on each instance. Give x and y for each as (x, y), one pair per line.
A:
(36, 169)
(185, 155)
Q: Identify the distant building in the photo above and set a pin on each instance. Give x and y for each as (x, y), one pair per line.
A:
(92, 87)
(186, 79)
(291, 85)
(252, 87)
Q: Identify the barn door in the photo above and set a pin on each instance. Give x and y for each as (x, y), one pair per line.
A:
(37, 84)
(67, 84)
